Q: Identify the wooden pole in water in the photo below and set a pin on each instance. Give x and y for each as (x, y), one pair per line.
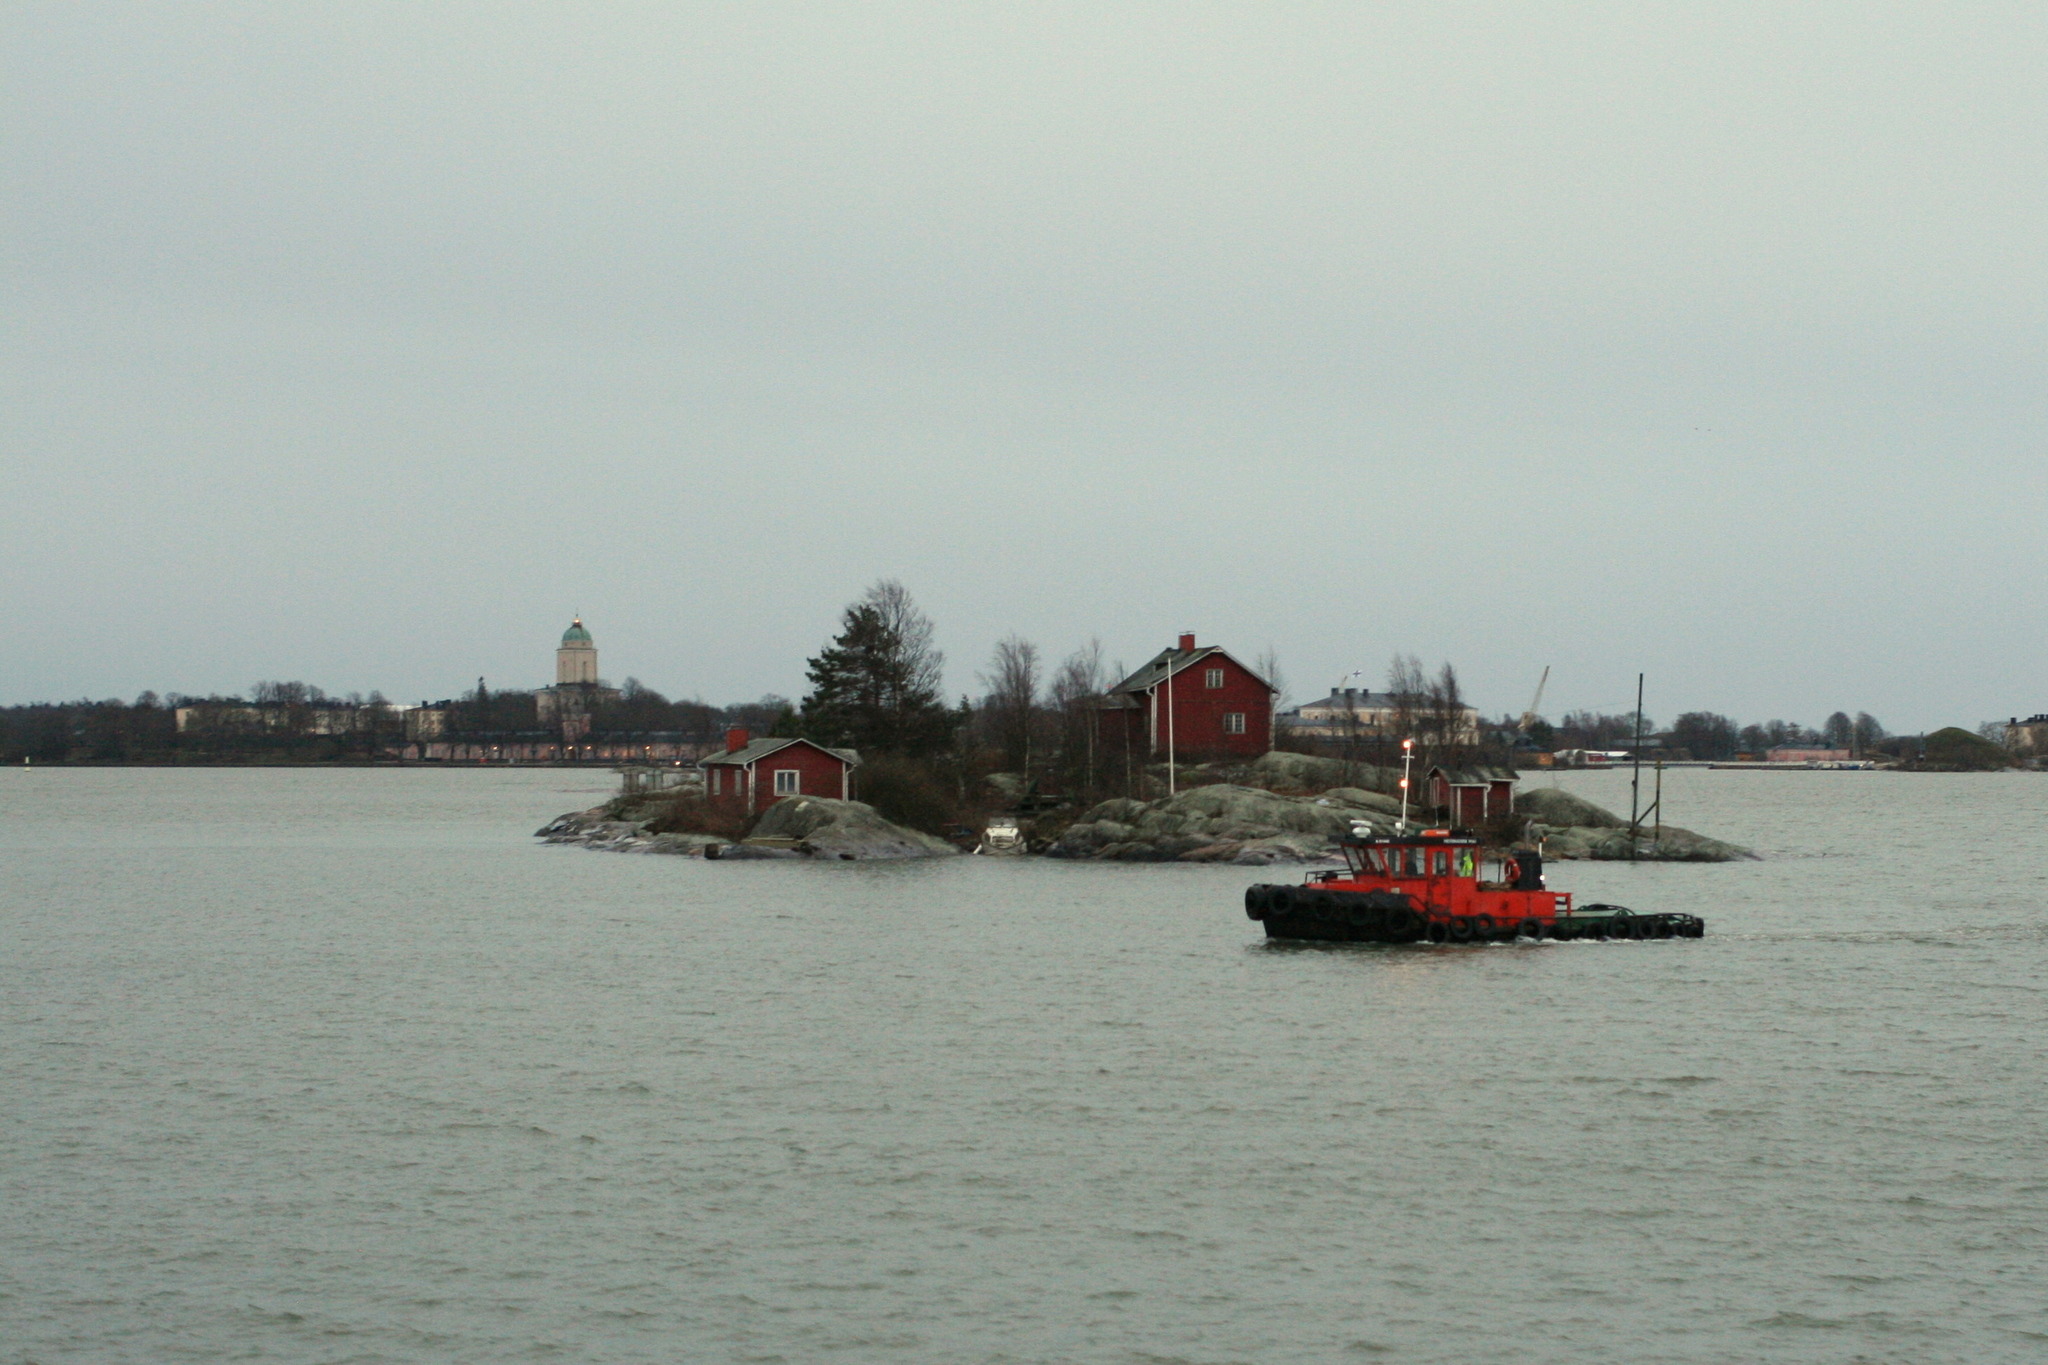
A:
(1635, 786)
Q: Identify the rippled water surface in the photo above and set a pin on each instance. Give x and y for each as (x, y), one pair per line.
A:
(340, 1066)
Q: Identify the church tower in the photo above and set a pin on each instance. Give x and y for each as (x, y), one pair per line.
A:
(576, 660)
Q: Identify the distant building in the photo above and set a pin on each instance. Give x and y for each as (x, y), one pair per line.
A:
(1359, 713)
(1805, 753)
(1193, 701)
(753, 774)
(2028, 738)
(578, 690)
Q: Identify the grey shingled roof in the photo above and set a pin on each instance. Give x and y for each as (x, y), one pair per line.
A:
(1170, 661)
(762, 748)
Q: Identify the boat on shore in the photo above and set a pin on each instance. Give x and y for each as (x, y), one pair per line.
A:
(1443, 886)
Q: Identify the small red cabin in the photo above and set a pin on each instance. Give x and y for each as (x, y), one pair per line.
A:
(1467, 798)
(753, 774)
(1192, 702)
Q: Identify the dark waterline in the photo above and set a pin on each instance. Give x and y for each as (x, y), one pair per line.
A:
(339, 1066)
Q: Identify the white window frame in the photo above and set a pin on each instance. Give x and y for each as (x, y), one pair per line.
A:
(1213, 678)
(796, 781)
(1233, 722)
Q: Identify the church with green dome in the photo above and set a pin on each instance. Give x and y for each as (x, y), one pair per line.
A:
(578, 690)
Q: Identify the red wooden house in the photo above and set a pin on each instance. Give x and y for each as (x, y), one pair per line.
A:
(753, 774)
(1467, 798)
(1191, 702)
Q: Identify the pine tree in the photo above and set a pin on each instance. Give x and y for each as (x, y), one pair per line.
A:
(876, 686)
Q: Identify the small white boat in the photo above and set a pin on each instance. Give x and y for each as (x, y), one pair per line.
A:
(1002, 835)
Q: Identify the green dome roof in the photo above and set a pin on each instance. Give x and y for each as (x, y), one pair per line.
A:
(576, 634)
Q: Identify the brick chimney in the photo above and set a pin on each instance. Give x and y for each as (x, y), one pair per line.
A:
(736, 739)
(1187, 643)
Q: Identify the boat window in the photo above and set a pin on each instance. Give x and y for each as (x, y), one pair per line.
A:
(1443, 861)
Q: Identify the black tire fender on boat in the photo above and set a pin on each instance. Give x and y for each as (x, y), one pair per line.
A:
(1255, 902)
(1401, 923)
(1437, 931)
(1460, 929)
(1621, 927)
(1279, 900)
(1530, 928)
(1483, 926)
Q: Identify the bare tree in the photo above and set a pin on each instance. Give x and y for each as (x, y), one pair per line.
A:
(1408, 688)
(1444, 707)
(1075, 686)
(1011, 703)
(1267, 666)
(919, 662)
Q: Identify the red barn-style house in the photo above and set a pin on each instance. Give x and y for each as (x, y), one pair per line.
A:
(1190, 702)
(753, 774)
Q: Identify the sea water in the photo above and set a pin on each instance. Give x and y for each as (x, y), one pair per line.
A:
(337, 1066)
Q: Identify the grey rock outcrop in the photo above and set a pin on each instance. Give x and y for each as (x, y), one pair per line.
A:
(799, 827)
(596, 828)
(1222, 822)
(825, 828)
(1227, 822)
(1611, 844)
(1560, 809)
(1573, 827)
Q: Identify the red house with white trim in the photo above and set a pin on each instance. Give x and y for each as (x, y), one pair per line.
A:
(1191, 703)
(753, 774)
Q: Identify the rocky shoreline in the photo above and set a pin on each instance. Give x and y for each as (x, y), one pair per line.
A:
(1280, 808)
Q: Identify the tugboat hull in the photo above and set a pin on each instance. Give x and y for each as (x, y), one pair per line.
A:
(1320, 915)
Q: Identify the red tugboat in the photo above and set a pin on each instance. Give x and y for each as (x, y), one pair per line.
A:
(1442, 886)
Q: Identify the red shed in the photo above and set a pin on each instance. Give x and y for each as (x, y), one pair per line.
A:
(1194, 702)
(1469, 797)
(752, 775)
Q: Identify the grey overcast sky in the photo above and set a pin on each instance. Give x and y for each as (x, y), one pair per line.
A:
(364, 343)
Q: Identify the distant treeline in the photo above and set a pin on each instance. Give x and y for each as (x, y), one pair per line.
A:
(296, 722)
(1706, 735)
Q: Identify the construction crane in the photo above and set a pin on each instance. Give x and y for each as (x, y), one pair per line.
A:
(1529, 716)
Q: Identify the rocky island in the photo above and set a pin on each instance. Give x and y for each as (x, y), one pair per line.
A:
(1281, 807)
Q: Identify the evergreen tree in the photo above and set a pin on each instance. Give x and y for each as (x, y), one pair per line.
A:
(875, 688)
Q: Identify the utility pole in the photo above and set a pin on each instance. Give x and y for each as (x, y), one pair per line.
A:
(1635, 786)
(1172, 774)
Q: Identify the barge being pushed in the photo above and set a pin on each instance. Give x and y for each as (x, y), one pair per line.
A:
(1442, 886)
